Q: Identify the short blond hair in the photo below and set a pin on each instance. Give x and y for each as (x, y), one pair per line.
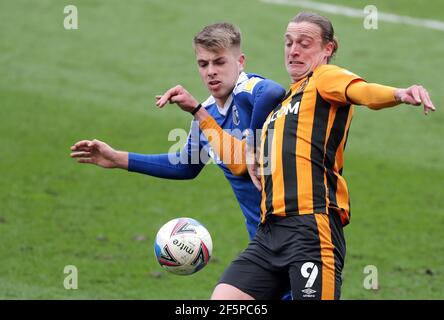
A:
(218, 36)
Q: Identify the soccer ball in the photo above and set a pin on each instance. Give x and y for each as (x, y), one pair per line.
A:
(183, 246)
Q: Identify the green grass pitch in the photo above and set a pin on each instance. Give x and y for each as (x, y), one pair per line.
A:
(58, 86)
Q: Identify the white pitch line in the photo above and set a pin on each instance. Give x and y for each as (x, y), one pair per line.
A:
(357, 13)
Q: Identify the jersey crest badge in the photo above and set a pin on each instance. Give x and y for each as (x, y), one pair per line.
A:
(302, 86)
(235, 114)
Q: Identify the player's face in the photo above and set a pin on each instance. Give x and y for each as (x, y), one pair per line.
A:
(304, 49)
(219, 70)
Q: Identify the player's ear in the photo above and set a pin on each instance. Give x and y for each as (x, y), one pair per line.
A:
(329, 48)
(241, 61)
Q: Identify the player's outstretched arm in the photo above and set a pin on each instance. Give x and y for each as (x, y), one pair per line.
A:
(99, 153)
(377, 96)
(155, 165)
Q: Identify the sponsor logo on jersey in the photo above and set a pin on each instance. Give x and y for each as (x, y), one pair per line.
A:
(284, 110)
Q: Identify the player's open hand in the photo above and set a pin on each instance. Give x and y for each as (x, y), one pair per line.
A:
(99, 153)
(178, 95)
(415, 95)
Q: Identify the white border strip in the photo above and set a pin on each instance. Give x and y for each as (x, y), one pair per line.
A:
(356, 13)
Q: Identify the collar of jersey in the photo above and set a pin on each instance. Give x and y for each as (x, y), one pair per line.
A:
(242, 78)
(223, 111)
(295, 86)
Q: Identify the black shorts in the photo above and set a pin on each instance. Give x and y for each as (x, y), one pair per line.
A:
(303, 253)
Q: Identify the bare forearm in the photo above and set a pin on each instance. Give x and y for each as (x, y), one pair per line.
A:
(121, 159)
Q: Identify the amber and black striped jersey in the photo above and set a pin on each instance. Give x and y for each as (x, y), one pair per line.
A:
(302, 147)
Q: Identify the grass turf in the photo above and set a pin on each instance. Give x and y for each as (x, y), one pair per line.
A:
(59, 86)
